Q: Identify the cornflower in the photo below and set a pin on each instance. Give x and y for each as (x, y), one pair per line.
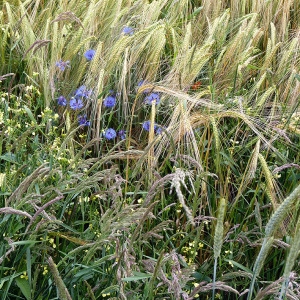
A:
(110, 134)
(62, 65)
(89, 54)
(109, 101)
(152, 97)
(76, 103)
(128, 30)
(157, 128)
(146, 125)
(82, 120)
(83, 92)
(62, 101)
(122, 134)
(141, 83)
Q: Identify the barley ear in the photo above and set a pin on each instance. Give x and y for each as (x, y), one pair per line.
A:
(269, 179)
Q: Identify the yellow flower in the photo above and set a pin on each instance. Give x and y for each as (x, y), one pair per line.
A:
(51, 241)
(105, 295)
(24, 275)
(200, 246)
(45, 270)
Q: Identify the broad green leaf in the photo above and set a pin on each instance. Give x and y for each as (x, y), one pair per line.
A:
(24, 286)
(10, 157)
(30, 114)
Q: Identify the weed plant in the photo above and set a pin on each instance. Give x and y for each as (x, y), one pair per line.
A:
(149, 149)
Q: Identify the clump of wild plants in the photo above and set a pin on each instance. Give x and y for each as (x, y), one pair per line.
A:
(147, 153)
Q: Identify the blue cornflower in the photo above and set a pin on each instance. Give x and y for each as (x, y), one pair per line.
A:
(82, 120)
(62, 101)
(62, 64)
(76, 103)
(109, 101)
(158, 130)
(146, 126)
(128, 30)
(89, 54)
(83, 92)
(152, 97)
(110, 134)
(122, 134)
(141, 83)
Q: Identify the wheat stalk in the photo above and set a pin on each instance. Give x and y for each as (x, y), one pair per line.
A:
(272, 225)
(259, 262)
(218, 239)
(290, 261)
(281, 212)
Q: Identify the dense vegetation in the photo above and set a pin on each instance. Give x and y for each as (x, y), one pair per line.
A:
(149, 149)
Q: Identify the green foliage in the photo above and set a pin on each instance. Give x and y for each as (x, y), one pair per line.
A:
(201, 202)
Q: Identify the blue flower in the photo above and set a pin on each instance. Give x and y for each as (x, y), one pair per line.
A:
(82, 120)
(152, 97)
(128, 30)
(110, 134)
(109, 101)
(62, 64)
(122, 134)
(146, 125)
(83, 92)
(89, 54)
(62, 101)
(141, 83)
(157, 129)
(76, 103)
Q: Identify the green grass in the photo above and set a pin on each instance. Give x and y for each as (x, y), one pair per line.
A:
(207, 208)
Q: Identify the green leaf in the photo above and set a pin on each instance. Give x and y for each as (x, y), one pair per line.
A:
(297, 76)
(111, 289)
(137, 276)
(8, 278)
(10, 157)
(24, 286)
(239, 266)
(28, 242)
(30, 114)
